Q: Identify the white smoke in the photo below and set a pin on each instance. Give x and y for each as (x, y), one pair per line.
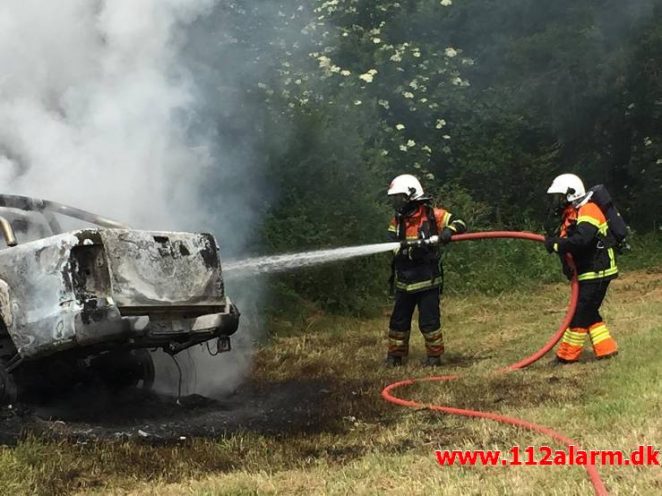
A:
(94, 106)
(96, 111)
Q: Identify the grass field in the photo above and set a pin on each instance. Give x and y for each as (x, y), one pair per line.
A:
(359, 444)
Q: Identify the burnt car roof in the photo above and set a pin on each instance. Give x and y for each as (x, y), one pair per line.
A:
(35, 218)
(46, 207)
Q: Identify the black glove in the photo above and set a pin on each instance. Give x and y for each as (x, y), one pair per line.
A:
(445, 236)
(550, 241)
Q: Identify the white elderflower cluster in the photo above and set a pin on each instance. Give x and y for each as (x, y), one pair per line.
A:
(368, 76)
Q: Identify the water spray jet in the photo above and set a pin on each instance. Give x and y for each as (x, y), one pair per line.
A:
(280, 263)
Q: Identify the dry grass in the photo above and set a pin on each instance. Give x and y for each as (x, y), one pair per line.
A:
(362, 445)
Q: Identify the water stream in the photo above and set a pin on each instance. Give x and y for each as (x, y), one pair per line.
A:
(280, 263)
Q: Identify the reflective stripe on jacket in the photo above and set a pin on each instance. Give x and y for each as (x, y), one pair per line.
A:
(419, 268)
(583, 234)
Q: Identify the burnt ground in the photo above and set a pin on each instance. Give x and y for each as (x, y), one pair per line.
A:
(278, 408)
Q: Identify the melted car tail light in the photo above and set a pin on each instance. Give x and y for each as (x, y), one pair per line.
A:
(90, 274)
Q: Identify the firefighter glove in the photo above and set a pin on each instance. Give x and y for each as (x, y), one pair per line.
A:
(445, 236)
(550, 242)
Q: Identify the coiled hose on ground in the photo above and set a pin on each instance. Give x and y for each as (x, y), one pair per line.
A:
(388, 395)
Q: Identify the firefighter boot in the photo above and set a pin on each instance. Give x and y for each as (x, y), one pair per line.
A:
(604, 345)
(434, 346)
(393, 361)
(398, 347)
(434, 343)
(433, 361)
(571, 345)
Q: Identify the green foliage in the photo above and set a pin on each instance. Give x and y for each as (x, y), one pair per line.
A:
(485, 100)
(645, 252)
(330, 197)
(497, 266)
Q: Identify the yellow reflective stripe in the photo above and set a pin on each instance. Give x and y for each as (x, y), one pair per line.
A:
(599, 334)
(599, 331)
(574, 340)
(612, 270)
(572, 332)
(589, 276)
(589, 219)
(602, 227)
(418, 285)
(600, 339)
(555, 247)
(574, 337)
(444, 221)
(391, 229)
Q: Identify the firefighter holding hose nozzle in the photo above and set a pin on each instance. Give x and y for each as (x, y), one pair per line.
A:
(590, 231)
(417, 275)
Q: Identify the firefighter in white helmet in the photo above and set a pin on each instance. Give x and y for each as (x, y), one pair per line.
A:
(584, 234)
(417, 272)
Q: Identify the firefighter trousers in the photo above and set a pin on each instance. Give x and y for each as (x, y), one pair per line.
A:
(588, 321)
(429, 322)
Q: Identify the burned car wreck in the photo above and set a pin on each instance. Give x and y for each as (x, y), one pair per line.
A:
(99, 297)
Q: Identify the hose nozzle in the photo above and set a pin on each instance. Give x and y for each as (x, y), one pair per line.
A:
(432, 240)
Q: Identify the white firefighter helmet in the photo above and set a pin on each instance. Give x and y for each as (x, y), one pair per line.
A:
(408, 185)
(569, 185)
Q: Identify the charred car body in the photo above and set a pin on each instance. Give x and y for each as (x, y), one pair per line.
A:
(98, 297)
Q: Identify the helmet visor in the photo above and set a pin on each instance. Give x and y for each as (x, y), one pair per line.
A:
(399, 202)
(558, 202)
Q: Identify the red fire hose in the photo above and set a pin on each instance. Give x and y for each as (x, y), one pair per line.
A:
(598, 485)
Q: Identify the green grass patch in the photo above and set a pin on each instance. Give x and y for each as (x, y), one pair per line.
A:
(363, 445)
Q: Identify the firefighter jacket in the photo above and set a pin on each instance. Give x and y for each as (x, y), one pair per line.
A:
(584, 235)
(419, 268)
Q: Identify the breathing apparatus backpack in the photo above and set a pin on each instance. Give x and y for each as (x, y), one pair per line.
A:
(617, 231)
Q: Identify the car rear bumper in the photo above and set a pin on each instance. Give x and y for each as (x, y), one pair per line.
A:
(214, 325)
(99, 325)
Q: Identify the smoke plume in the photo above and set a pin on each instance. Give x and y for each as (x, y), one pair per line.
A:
(101, 110)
